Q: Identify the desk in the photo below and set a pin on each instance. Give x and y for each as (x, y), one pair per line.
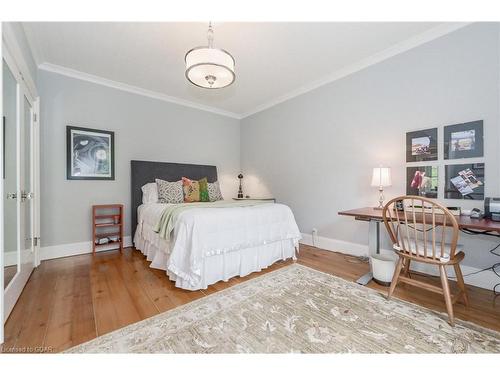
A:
(464, 222)
(373, 215)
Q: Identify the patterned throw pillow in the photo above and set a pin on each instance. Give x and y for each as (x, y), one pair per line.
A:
(191, 190)
(214, 193)
(204, 197)
(170, 192)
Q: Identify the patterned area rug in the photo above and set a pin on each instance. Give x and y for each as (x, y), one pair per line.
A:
(296, 309)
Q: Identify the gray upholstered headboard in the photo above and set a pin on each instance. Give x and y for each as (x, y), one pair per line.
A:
(143, 172)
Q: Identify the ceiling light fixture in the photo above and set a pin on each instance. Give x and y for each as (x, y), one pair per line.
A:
(209, 67)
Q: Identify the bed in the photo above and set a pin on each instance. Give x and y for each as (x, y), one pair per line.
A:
(213, 242)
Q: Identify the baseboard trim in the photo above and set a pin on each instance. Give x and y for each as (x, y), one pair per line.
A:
(10, 258)
(78, 248)
(332, 244)
(486, 279)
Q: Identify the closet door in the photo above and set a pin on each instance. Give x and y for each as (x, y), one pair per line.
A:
(10, 176)
(18, 182)
(27, 236)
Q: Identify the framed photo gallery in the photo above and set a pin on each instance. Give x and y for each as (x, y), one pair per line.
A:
(463, 180)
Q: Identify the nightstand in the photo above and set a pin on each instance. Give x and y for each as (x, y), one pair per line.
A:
(255, 199)
(107, 225)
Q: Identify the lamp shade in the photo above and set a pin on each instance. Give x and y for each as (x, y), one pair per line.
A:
(381, 176)
(209, 68)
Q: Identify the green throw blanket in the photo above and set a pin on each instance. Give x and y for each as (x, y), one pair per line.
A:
(169, 216)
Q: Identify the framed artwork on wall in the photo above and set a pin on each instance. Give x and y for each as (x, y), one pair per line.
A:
(464, 181)
(422, 181)
(90, 154)
(463, 140)
(421, 145)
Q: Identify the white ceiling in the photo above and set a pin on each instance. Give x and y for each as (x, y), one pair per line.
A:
(273, 60)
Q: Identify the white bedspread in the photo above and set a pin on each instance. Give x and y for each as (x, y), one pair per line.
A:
(200, 233)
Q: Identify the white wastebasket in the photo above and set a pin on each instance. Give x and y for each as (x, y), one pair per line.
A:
(383, 268)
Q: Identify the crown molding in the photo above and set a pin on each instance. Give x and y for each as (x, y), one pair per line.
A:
(397, 49)
(68, 72)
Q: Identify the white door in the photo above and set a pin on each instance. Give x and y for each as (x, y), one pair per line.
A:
(18, 184)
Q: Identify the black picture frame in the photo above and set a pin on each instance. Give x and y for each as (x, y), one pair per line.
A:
(422, 145)
(98, 137)
(452, 171)
(464, 140)
(428, 182)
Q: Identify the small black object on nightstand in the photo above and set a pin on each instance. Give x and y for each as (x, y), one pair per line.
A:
(240, 190)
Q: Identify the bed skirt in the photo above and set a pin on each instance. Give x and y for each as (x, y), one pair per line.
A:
(221, 266)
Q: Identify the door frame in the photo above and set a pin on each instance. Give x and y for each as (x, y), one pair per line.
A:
(26, 88)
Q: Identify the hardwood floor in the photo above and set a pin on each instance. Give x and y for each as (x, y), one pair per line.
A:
(71, 300)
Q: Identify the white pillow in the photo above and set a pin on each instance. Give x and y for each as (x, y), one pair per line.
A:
(150, 193)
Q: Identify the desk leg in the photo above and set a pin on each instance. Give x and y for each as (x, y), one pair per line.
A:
(372, 245)
(378, 237)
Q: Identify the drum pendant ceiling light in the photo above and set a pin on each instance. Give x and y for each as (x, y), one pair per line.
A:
(209, 67)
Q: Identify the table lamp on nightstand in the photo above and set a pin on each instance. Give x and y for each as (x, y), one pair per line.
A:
(381, 178)
(240, 190)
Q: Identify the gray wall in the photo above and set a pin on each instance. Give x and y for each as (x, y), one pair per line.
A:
(316, 152)
(145, 129)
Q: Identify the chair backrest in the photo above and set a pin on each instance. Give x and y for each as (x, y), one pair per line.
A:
(419, 227)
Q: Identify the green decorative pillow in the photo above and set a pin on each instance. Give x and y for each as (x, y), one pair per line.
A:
(203, 183)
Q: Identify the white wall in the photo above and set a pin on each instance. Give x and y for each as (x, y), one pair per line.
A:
(316, 152)
(145, 129)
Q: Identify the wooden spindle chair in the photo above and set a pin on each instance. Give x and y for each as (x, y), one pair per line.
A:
(419, 234)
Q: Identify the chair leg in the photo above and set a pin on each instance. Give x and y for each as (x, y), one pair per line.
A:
(461, 284)
(447, 294)
(406, 271)
(395, 277)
